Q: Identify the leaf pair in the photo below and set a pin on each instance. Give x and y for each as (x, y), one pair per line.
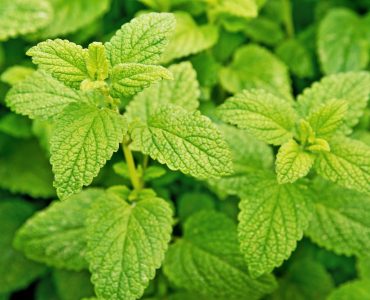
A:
(330, 108)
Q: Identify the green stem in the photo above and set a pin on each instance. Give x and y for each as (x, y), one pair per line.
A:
(288, 20)
(134, 176)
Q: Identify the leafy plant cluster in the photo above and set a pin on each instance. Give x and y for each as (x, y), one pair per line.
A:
(172, 149)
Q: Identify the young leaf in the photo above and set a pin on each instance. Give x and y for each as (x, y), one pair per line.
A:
(189, 38)
(341, 221)
(126, 244)
(40, 96)
(15, 74)
(354, 290)
(16, 272)
(352, 87)
(62, 59)
(238, 8)
(23, 16)
(267, 117)
(56, 235)
(347, 164)
(342, 48)
(292, 162)
(97, 65)
(84, 138)
(183, 90)
(327, 118)
(129, 79)
(142, 40)
(255, 67)
(271, 221)
(207, 260)
(184, 141)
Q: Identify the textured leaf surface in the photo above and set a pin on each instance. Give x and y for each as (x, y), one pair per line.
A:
(129, 79)
(207, 260)
(143, 40)
(62, 59)
(353, 290)
(326, 119)
(126, 244)
(184, 141)
(56, 235)
(16, 272)
(271, 221)
(262, 114)
(40, 96)
(341, 221)
(292, 162)
(347, 164)
(256, 67)
(23, 16)
(189, 38)
(342, 48)
(85, 137)
(97, 65)
(352, 87)
(183, 90)
(71, 15)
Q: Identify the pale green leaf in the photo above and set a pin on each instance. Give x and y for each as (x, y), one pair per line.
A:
(183, 90)
(40, 96)
(15, 74)
(327, 118)
(238, 8)
(267, 117)
(97, 65)
(19, 17)
(62, 59)
(126, 244)
(71, 15)
(341, 221)
(189, 38)
(131, 78)
(207, 260)
(16, 272)
(84, 138)
(344, 47)
(184, 141)
(347, 164)
(292, 162)
(352, 87)
(352, 290)
(271, 221)
(256, 67)
(56, 235)
(143, 40)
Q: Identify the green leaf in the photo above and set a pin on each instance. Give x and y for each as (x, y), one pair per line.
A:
(97, 65)
(267, 117)
(184, 141)
(352, 87)
(342, 48)
(56, 235)
(16, 126)
(19, 17)
(20, 174)
(292, 162)
(256, 67)
(327, 118)
(193, 202)
(264, 30)
(183, 90)
(341, 221)
(71, 15)
(353, 290)
(84, 138)
(129, 79)
(143, 40)
(15, 74)
(126, 244)
(238, 8)
(272, 219)
(207, 260)
(40, 96)
(347, 164)
(45, 289)
(363, 266)
(189, 38)
(16, 272)
(62, 59)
